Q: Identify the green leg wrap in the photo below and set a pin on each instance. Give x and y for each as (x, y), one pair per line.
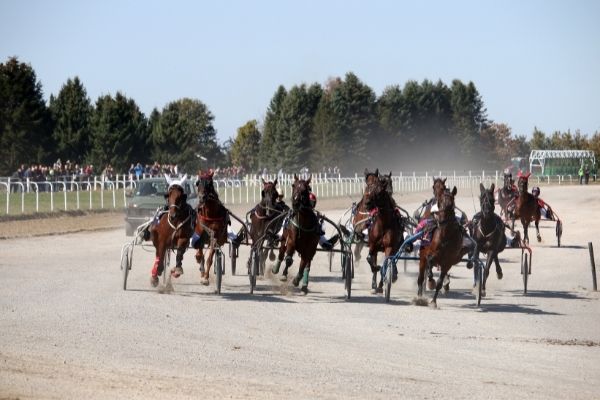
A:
(305, 277)
(275, 268)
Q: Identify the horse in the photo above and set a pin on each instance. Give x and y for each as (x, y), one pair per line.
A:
(448, 245)
(386, 228)
(360, 215)
(212, 218)
(173, 229)
(300, 234)
(506, 196)
(527, 208)
(487, 229)
(424, 212)
(266, 218)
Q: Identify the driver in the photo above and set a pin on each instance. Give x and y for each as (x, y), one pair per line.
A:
(545, 209)
(326, 244)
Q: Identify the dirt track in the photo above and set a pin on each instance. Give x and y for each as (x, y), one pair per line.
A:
(68, 330)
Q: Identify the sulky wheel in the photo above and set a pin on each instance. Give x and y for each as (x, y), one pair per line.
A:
(387, 284)
(253, 270)
(558, 231)
(478, 281)
(524, 271)
(218, 269)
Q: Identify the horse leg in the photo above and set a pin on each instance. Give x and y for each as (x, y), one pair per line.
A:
(430, 281)
(157, 266)
(439, 284)
(486, 272)
(498, 267)
(357, 249)
(208, 264)
(525, 224)
(200, 260)
(537, 228)
(282, 246)
(181, 248)
(303, 272)
(421, 277)
(372, 260)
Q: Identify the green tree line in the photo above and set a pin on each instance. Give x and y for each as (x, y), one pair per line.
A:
(343, 123)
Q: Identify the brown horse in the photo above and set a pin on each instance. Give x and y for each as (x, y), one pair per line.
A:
(385, 231)
(300, 234)
(448, 245)
(487, 229)
(527, 208)
(265, 211)
(173, 230)
(507, 196)
(212, 218)
(360, 215)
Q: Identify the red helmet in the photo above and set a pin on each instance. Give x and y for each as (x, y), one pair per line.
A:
(313, 199)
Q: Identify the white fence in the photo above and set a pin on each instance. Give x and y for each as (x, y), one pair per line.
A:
(99, 193)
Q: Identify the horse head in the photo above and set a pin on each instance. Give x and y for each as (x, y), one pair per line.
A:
(371, 176)
(386, 181)
(269, 196)
(439, 186)
(446, 205)
(372, 194)
(523, 181)
(206, 187)
(176, 196)
(486, 199)
(300, 193)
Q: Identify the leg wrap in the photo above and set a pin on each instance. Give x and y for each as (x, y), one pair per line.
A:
(305, 277)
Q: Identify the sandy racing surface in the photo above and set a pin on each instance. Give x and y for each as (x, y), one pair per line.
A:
(68, 330)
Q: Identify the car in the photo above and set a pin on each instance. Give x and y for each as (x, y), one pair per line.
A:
(147, 197)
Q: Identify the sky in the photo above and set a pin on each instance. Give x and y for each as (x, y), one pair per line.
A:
(535, 63)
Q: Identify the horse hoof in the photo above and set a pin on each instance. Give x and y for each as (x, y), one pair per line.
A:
(283, 278)
(433, 304)
(500, 275)
(431, 284)
(474, 290)
(295, 281)
(379, 290)
(373, 291)
(539, 238)
(469, 264)
(204, 281)
(154, 280)
(304, 290)
(176, 272)
(483, 293)
(447, 288)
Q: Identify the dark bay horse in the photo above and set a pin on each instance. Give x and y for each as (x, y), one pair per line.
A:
(173, 230)
(360, 215)
(487, 229)
(213, 218)
(301, 234)
(424, 212)
(448, 245)
(265, 211)
(386, 228)
(526, 208)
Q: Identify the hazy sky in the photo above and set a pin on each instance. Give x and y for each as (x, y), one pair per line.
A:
(535, 63)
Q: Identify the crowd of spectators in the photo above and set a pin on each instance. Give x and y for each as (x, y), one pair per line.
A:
(229, 173)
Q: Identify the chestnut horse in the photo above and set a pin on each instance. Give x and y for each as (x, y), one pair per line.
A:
(265, 211)
(385, 231)
(213, 218)
(300, 234)
(487, 230)
(173, 230)
(527, 208)
(448, 245)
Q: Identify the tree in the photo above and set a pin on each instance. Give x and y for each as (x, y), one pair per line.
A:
(468, 117)
(72, 115)
(246, 146)
(538, 140)
(325, 144)
(272, 134)
(119, 133)
(184, 134)
(25, 124)
(353, 106)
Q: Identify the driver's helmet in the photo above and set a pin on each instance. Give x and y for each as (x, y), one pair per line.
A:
(507, 172)
(313, 200)
(535, 191)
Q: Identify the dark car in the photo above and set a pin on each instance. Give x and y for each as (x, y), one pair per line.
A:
(149, 195)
